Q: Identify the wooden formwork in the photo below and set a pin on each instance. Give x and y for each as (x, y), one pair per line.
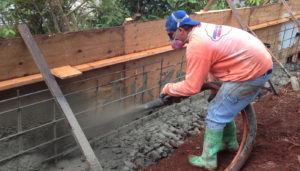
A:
(84, 47)
(121, 48)
(130, 62)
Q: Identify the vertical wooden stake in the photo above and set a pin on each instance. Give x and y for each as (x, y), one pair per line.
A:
(208, 5)
(62, 103)
(291, 14)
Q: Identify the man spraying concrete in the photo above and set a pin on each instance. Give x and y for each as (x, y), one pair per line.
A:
(219, 53)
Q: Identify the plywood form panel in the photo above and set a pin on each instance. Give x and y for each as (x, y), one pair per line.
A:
(60, 49)
(269, 35)
(90, 99)
(135, 80)
(265, 13)
(222, 17)
(145, 35)
(154, 75)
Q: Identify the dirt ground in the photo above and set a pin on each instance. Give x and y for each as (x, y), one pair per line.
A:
(277, 145)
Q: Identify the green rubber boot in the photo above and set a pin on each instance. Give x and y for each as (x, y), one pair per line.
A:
(211, 146)
(229, 142)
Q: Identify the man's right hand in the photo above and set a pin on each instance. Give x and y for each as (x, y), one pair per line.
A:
(168, 100)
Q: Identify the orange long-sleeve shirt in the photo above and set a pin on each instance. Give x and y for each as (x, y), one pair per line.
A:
(226, 53)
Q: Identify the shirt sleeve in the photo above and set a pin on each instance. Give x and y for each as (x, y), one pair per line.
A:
(198, 66)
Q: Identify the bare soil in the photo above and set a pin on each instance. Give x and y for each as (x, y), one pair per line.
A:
(277, 145)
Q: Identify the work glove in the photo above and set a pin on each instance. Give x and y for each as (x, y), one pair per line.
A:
(168, 100)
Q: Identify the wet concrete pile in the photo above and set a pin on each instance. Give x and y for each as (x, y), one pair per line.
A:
(147, 140)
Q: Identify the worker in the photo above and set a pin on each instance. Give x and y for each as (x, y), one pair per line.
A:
(218, 53)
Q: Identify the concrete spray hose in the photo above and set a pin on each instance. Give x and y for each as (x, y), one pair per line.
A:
(249, 127)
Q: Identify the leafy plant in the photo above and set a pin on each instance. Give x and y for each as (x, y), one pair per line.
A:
(51, 16)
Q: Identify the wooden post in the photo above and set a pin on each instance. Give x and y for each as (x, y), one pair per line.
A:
(238, 17)
(68, 114)
(291, 14)
(265, 3)
(208, 5)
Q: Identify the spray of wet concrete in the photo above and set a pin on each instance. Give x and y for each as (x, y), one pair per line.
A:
(137, 144)
(146, 140)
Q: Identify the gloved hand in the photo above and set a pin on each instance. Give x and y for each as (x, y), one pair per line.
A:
(168, 100)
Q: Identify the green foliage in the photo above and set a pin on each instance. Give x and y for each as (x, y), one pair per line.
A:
(252, 2)
(154, 9)
(108, 14)
(219, 5)
(51, 16)
(5, 32)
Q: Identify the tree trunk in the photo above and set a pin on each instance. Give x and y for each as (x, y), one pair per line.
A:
(64, 20)
(43, 20)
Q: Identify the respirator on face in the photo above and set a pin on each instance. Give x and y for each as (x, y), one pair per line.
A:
(178, 44)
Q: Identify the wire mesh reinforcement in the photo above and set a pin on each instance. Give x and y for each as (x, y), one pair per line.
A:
(53, 123)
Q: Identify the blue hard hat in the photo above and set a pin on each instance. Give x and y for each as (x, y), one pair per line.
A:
(178, 19)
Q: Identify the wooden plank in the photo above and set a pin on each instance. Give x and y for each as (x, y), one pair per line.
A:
(61, 72)
(72, 48)
(121, 59)
(65, 72)
(60, 99)
(17, 82)
(12, 83)
(270, 23)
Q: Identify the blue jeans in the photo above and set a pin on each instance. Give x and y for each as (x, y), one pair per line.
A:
(231, 99)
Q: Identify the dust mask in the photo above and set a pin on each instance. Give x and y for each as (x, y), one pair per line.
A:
(178, 44)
